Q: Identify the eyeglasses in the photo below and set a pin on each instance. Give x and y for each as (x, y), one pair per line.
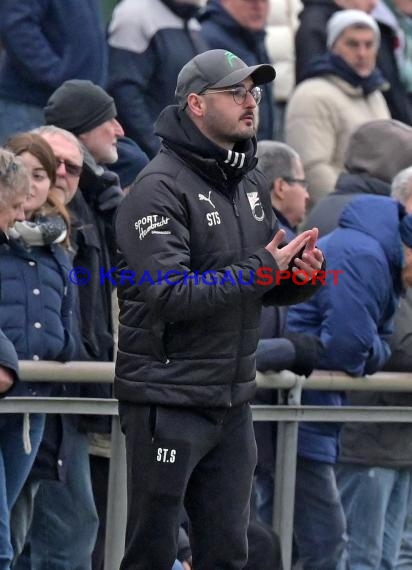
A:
(301, 181)
(239, 93)
(71, 169)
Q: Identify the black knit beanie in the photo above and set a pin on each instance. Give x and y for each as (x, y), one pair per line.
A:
(79, 106)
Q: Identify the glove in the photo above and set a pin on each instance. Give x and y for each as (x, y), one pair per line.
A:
(308, 348)
(111, 194)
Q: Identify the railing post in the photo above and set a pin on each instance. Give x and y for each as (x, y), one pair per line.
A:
(285, 478)
(116, 500)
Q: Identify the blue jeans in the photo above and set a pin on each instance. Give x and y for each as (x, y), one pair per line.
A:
(17, 118)
(404, 561)
(320, 526)
(64, 526)
(375, 502)
(15, 467)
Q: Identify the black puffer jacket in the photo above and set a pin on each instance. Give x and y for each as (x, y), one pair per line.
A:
(182, 341)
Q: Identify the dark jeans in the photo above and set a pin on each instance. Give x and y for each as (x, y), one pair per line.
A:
(15, 465)
(64, 525)
(320, 526)
(200, 458)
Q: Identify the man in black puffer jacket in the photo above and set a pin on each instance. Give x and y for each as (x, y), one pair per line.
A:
(195, 236)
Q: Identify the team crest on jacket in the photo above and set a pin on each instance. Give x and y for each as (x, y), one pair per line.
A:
(256, 206)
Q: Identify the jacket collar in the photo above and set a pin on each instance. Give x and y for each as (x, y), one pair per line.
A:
(222, 168)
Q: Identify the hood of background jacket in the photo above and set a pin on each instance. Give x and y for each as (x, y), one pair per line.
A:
(221, 168)
(380, 148)
(381, 218)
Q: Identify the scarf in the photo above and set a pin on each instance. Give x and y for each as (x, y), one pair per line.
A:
(332, 64)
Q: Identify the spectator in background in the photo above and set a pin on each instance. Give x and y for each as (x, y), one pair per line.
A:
(37, 310)
(367, 169)
(277, 351)
(288, 187)
(89, 113)
(310, 39)
(374, 472)
(149, 42)
(60, 462)
(239, 27)
(131, 160)
(12, 197)
(393, 18)
(342, 90)
(394, 57)
(44, 44)
(371, 247)
(370, 172)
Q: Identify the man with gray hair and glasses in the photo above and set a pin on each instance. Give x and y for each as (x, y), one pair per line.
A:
(282, 166)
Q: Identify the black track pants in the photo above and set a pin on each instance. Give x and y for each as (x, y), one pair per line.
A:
(203, 459)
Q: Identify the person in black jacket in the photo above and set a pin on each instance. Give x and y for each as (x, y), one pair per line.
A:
(195, 234)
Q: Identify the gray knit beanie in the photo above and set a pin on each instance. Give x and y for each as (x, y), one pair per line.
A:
(345, 19)
(79, 106)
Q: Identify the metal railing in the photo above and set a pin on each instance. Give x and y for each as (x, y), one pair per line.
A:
(289, 414)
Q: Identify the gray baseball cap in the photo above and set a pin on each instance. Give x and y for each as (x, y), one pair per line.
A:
(218, 68)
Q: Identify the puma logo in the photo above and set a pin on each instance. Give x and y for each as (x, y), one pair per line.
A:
(203, 197)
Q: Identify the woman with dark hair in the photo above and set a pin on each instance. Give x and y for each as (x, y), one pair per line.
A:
(50, 223)
(36, 310)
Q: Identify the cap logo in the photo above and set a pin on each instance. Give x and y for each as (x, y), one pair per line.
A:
(230, 57)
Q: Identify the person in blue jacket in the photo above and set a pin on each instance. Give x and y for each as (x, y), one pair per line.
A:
(46, 42)
(369, 264)
(36, 314)
(13, 192)
(239, 27)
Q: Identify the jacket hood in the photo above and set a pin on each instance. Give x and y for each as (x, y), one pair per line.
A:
(348, 183)
(222, 168)
(371, 147)
(215, 11)
(381, 218)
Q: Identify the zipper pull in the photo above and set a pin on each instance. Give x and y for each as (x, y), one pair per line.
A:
(235, 208)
